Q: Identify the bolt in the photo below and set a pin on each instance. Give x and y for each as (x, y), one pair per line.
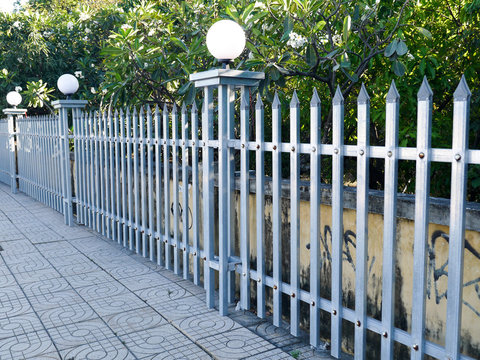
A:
(335, 151)
(389, 154)
(458, 157)
(195, 253)
(165, 241)
(313, 303)
(358, 323)
(421, 155)
(293, 295)
(258, 146)
(274, 147)
(204, 143)
(183, 143)
(361, 152)
(293, 148)
(259, 280)
(385, 334)
(314, 149)
(204, 258)
(243, 146)
(274, 287)
(173, 142)
(184, 249)
(193, 143)
(334, 312)
(415, 347)
(244, 274)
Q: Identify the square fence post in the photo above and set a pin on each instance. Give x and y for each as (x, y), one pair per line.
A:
(63, 107)
(12, 115)
(225, 81)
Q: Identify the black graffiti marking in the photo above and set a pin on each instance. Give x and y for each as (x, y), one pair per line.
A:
(180, 214)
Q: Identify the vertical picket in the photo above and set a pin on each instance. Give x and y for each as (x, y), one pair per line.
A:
(143, 191)
(230, 186)
(260, 205)
(120, 217)
(158, 184)
(76, 154)
(114, 215)
(276, 209)
(107, 209)
(315, 196)
(422, 201)
(195, 200)
(223, 235)
(166, 191)
(294, 215)
(185, 207)
(136, 180)
(98, 175)
(207, 163)
(88, 166)
(123, 165)
(389, 221)
(150, 148)
(176, 240)
(363, 157)
(461, 114)
(244, 200)
(337, 223)
(130, 189)
(101, 170)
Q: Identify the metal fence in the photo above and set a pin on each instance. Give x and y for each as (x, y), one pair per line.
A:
(38, 159)
(138, 171)
(4, 152)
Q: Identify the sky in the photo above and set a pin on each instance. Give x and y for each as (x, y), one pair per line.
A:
(6, 5)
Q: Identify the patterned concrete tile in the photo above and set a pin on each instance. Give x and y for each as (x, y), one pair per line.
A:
(31, 345)
(67, 314)
(12, 308)
(277, 336)
(33, 276)
(11, 293)
(163, 293)
(198, 327)
(191, 287)
(45, 236)
(78, 268)
(11, 234)
(149, 280)
(129, 271)
(235, 344)
(6, 279)
(100, 291)
(181, 308)
(17, 247)
(31, 265)
(113, 262)
(116, 304)
(62, 261)
(134, 320)
(54, 300)
(163, 342)
(81, 333)
(46, 286)
(50, 356)
(110, 349)
(95, 277)
(31, 257)
(18, 325)
(275, 354)
(57, 249)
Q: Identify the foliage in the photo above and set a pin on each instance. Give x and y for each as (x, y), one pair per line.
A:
(128, 52)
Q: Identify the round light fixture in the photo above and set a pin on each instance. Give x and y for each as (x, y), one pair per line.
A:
(225, 40)
(67, 84)
(14, 98)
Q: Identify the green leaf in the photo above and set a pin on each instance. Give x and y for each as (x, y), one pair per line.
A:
(179, 43)
(183, 89)
(320, 25)
(287, 28)
(336, 67)
(274, 74)
(111, 50)
(424, 32)
(232, 12)
(401, 48)
(247, 12)
(347, 23)
(311, 57)
(330, 55)
(191, 95)
(391, 48)
(398, 68)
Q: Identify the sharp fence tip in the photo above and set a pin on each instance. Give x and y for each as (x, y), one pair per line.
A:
(294, 103)
(425, 92)
(259, 104)
(363, 97)
(276, 101)
(393, 95)
(462, 92)
(338, 98)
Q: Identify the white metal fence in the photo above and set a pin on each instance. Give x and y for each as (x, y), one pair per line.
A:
(4, 152)
(133, 171)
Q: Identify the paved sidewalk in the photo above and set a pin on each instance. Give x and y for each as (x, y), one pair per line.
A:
(67, 293)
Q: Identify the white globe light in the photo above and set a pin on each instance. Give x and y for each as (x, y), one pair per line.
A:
(225, 40)
(67, 84)
(14, 98)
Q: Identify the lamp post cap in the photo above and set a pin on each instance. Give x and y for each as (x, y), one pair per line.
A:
(69, 103)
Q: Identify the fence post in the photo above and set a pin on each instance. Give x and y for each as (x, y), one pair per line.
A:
(222, 79)
(12, 115)
(63, 107)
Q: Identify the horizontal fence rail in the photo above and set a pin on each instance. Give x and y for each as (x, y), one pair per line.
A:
(160, 182)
